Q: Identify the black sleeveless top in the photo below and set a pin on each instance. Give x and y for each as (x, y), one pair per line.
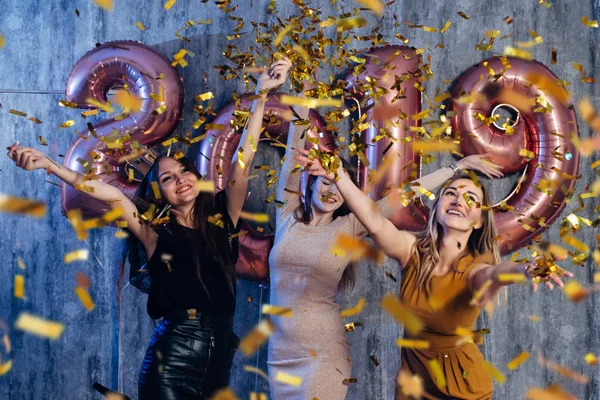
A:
(174, 284)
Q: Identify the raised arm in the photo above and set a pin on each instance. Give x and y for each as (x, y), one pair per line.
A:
(30, 159)
(237, 180)
(289, 175)
(392, 242)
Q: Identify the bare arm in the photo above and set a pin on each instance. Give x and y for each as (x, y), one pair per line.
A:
(30, 159)
(289, 176)
(237, 180)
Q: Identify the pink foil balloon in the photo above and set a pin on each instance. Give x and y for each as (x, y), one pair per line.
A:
(114, 65)
(216, 152)
(383, 64)
(544, 133)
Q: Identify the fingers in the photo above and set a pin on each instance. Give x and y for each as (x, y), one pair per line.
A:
(549, 285)
(558, 281)
(535, 287)
(12, 150)
(21, 156)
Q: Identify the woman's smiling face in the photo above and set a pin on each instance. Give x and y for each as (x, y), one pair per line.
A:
(177, 182)
(459, 207)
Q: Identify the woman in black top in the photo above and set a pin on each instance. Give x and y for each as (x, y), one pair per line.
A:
(191, 258)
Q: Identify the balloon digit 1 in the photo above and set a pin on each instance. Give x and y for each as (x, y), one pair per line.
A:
(148, 76)
(384, 66)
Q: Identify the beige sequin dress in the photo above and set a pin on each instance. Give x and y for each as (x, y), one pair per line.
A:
(305, 274)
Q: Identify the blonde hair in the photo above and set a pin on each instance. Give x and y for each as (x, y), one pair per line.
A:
(425, 252)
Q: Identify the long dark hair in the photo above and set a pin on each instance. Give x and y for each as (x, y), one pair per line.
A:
(215, 238)
(304, 215)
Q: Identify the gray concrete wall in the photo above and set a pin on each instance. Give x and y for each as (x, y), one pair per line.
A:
(43, 41)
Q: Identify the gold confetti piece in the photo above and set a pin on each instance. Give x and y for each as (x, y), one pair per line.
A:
(77, 255)
(402, 314)
(205, 186)
(38, 326)
(494, 372)
(269, 309)
(104, 4)
(257, 371)
(127, 101)
(355, 249)
(17, 112)
(354, 310)
(223, 394)
(155, 190)
(85, 298)
(216, 127)
(410, 385)
(288, 379)
(42, 141)
(517, 361)
(82, 280)
(309, 103)
(35, 120)
(258, 396)
(591, 359)
(121, 234)
(431, 147)
(205, 96)
(140, 26)
(462, 14)
(20, 263)
(252, 341)
(282, 32)
(260, 218)
(511, 277)
(550, 87)
(508, 20)
(511, 51)
(106, 107)
(575, 292)
(352, 326)
(169, 4)
(553, 392)
(347, 381)
(564, 371)
(374, 5)
(587, 22)
(574, 242)
(2, 42)
(20, 286)
(528, 154)
(18, 205)
(446, 26)
(438, 374)
(412, 344)
(5, 367)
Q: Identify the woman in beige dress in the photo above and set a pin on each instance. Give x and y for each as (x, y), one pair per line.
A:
(306, 276)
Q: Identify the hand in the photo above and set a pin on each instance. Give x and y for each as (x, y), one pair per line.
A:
(27, 158)
(477, 162)
(315, 166)
(536, 280)
(274, 76)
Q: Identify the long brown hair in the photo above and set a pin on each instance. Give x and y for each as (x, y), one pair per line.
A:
(304, 214)
(425, 252)
(215, 238)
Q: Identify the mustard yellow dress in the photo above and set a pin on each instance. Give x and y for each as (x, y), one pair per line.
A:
(461, 364)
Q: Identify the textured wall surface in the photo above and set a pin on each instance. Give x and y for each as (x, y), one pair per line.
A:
(44, 39)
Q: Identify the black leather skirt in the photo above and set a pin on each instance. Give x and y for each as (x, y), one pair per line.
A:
(187, 358)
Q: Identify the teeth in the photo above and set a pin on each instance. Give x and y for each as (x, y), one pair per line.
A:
(454, 213)
(184, 189)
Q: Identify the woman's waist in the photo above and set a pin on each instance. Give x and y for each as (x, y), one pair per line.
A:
(438, 341)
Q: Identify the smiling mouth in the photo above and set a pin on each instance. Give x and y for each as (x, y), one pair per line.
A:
(455, 212)
(183, 189)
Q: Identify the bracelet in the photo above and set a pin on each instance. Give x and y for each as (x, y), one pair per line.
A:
(455, 169)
